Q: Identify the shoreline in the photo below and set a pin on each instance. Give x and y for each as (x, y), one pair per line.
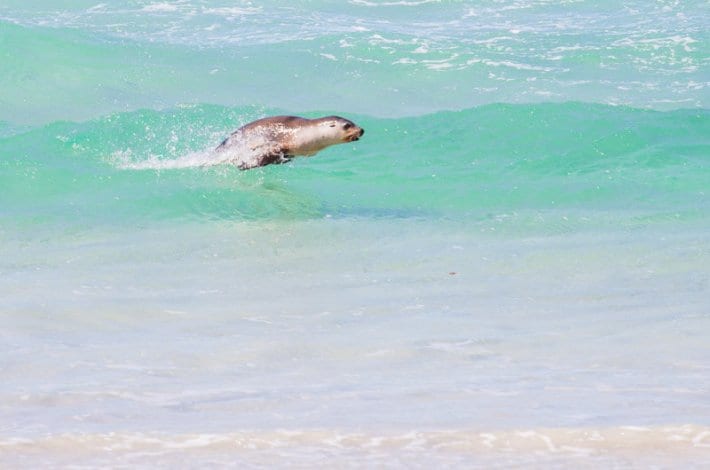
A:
(628, 446)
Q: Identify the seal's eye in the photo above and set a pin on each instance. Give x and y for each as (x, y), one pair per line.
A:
(347, 126)
(332, 125)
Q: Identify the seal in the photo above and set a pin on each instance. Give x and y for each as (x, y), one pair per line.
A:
(278, 139)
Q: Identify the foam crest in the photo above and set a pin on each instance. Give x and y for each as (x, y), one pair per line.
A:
(601, 446)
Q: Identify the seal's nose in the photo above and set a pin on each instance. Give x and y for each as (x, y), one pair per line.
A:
(362, 131)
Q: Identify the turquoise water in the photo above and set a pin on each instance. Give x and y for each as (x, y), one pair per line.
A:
(596, 164)
(509, 268)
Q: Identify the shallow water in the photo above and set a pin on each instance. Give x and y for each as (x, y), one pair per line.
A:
(509, 269)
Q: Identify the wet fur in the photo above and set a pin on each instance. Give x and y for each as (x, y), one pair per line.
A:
(279, 139)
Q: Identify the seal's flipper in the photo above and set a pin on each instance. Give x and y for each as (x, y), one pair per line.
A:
(268, 159)
(284, 159)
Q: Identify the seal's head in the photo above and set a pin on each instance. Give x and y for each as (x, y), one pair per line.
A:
(340, 129)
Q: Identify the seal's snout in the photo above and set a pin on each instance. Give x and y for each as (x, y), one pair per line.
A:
(356, 135)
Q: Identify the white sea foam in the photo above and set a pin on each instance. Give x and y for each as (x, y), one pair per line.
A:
(161, 7)
(124, 159)
(410, 3)
(517, 65)
(231, 11)
(656, 446)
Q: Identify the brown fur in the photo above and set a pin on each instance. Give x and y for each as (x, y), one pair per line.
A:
(278, 139)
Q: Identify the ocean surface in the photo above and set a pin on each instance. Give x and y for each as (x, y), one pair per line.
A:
(511, 269)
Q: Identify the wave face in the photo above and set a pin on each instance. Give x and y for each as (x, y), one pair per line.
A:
(575, 159)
